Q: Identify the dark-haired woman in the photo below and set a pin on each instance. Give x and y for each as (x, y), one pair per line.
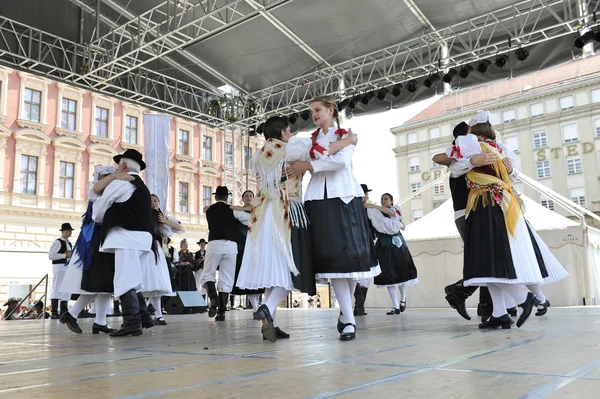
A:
(397, 266)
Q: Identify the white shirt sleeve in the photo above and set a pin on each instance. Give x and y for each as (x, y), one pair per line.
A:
(168, 231)
(382, 224)
(242, 216)
(298, 149)
(117, 191)
(333, 163)
(53, 253)
(460, 167)
(515, 163)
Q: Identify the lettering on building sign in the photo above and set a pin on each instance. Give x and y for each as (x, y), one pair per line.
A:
(569, 150)
(425, 176)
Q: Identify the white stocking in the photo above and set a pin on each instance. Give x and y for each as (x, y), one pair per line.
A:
(402, 288)
(274, 298)
(341, 287)
(509, 301)
(517, 291)
(155, 301)
(537, 291)
(394, 296)
(81, 303)
(253, 298)
(102, 305)
(497, 300)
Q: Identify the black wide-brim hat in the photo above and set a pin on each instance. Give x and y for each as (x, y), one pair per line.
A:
(66, 226)
(221, 190)
(202, 241)
(366, 188)
(134, 155)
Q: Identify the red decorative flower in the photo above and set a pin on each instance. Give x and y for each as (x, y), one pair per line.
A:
(269, 154)
(277, 145)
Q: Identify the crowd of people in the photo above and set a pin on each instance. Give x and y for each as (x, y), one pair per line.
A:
(283, 239)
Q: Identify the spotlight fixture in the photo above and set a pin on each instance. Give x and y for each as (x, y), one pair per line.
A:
(465, 71)
(260, 128)
(396, 90)
(431, 80)
(305, 115)
(293, 118)
(501, 60)
(382, 93)
(484, 66)
(597, 36)
(349, 114)
(522, 54)
(343, 104)
(252, 131)
(584, 39)
(451, 74)
(353, 101)
(412, 86)
(367, 97)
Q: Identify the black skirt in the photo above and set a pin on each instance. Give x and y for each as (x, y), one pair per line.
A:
(303, 258)
(100, 275)
(238, 265)
(397, 265)
(538, 253)
(487, 248)
(342, 242)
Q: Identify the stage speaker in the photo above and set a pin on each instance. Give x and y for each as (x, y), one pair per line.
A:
(186, 302)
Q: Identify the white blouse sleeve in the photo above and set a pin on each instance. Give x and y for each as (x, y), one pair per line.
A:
(168, 231)
(298, 149)
(382, 224)
(515, 163)
(465, 147)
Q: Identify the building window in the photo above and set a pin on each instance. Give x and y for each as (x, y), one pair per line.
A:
(570, 133)
(508, 116)
(413, 163)
(512, 143)
(547, 203)
(28, 178)
(228, 154)
(566, 102)
(69, 114)
(32, 105)
(439, 189)
(207, 148)
(101, 122)
(543, 169)
(247, 157)
(540, 140)
(536, 109)
(65, 179)
(206, 196)
(413, 138)
(184, 142)
(417, 214)
(434, 133)
(597, 124)
(574, 165)
(183, 197)
(578, 196)
(131, 126)
(414, 187)
(596, 96)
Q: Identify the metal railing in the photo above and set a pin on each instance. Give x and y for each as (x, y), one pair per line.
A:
(43, 313)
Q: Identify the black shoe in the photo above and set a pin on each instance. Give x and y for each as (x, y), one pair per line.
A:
(97, 329)
(71, 322)
(391, 312)
(527, 307)
(131, 329)
(213, 306)
(459, 304)
(512, 311)
(340, 325)
(160, 321)
(151, 310)
(263, 313)
(147, 321)
(348, 336)
(485, 317)
(220, 316)
(449, 289)
(544, 310)
(495, 322)
(280, 334)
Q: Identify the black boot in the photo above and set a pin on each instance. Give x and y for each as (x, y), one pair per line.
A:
(71, 322)
(212, 297)
(456, 295)
(360, 295)
(145, 317)
(485, 307)
(63, 307)
(54, 311)
(527, 307)
(223, 299)
(131, 316)
(116, 308)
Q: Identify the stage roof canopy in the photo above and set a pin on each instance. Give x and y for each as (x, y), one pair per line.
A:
(272, 56)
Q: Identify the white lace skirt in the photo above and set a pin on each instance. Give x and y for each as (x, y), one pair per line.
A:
(155, 276)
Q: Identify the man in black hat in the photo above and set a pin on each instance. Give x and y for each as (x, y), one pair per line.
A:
(59, 254)
(12, 310)
(221, 252)
(125, 212)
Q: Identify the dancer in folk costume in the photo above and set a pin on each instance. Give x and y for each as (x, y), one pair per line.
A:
(278, 253)
(397, 266)
(342, 242)
(495, 224)
(90, 272)
(60, 253)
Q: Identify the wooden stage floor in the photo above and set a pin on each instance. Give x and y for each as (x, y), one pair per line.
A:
(418, 354)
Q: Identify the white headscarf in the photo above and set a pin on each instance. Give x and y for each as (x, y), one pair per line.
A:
(102, 170)
(481, 117)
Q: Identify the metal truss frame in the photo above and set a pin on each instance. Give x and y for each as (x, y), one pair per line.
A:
(523, 24)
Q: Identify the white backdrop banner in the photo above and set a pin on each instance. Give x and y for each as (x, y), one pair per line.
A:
(156, 153)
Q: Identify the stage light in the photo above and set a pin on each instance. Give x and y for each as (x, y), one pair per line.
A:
(501, 60)
(584, 39)
(597, 36)
(396, 90)
(484, 66)
(412, 86)
(353, 101)
(305, 115)
(382, 93)
(260, 127)
(465, 71)
(451, 74)
(252, 131)
(343, 104)
(367, 97)
(293, 118)
(431, 80)
(522, 54)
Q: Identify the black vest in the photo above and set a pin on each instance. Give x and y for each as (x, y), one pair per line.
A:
(222, 225)
(62, 250)
(135, 214)
(459, 192)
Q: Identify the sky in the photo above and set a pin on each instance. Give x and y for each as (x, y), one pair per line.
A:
(374, 162)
